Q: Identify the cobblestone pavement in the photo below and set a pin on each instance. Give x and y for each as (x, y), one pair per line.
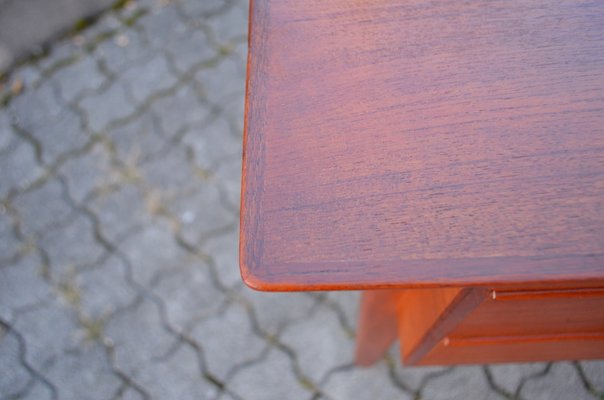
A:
(119, 189)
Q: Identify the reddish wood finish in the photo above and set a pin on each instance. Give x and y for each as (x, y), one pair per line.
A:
(377, 326)
(423, 144)
(473, 325)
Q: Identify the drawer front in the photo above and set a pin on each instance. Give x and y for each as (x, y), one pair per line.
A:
(535, 313)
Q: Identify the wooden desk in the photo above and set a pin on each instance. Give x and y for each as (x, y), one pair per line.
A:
(452, 152)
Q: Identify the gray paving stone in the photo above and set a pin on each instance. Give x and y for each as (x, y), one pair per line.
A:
(130, 394)
(139, 141)
(6, 135)
(177, 377)
(201, 213)
(151, 251)
(213, 144)
(10, 245)
(224, 250)
(74, 79)
(204, 9)
(83, 374)
(180, 111)
(21, 285)
(88, 172)
(150, 77)
(18, 168)
(104, 289)
(231, 25)
(188, 294)
(43, 207)
(120, 212)
(228, 341)
(221, 81)
(319, 342)
(56, 127)
(262, 382)
(348, 302)
(509, 376)
(138, 337)
(123, 50)
(561, 382)
(275, 310)
(162, 25)
(65, 257)
(460, 383)
(106, 106)
(190, 50)
(14, 378)
(49, 330)
(228, 174)
(38, 391)
(364, 384)
(171, 172)
(594, 372)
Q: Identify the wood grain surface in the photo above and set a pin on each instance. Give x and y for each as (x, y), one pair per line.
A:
(423, 143)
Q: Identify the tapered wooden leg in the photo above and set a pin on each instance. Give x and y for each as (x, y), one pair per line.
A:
(377, 325)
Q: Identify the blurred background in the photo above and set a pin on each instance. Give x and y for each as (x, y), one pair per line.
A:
(120, 160)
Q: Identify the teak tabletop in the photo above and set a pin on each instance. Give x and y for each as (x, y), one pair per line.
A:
(423, 143)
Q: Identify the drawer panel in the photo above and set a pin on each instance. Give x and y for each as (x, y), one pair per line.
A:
(535, 313)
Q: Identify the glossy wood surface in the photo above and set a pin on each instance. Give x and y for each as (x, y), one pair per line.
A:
(423, 143)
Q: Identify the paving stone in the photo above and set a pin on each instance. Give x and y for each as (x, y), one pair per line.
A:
(83, 374)
(188, 294)
(227, 340)
(171, 172)
(150, 77)
(43, 207)
(123, 50)
(65, 256)
(594, 372)
(74, 79)
(190, 50)
(201, 213)
(509, 376)
(228, 174)
(460, 383)
(49, 330)
(130, 394)
(204, 9)
(275, 310)
(104, 289)
(271, 379)
(231, 25)
(14, 378)
(138, 337)
(139, 141)
(364, 384)
(213, 144)
(6, 134)
(224, 250)
(561, 382)
(18, 168)
(152, 250)
(55, 126)
(319, 342)
(120, 212)
(106, 106)
(21, 285)
(348, 302)
(161, 25)
(180, 111)
(177, 377)
(221, 81)
(38, 391)
(9, 243)
(87, 172)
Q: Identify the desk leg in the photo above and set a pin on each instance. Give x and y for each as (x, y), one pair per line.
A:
(377, 325)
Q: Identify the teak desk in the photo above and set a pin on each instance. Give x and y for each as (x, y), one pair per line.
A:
(451, 152)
